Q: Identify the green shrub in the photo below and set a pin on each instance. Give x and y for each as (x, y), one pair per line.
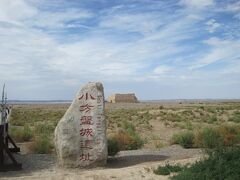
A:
(113, 146)
(42, 145)
(129, 127)
(174, 117)
(124, 139)
(136, 142)
(43, 128)
(185, 139)
(235, 117)
(201, 107)
(188, 125)
(222, 163)
(21, 134)
(167, 169)
(212, 119)
(23, 115)
(27, 133)
(161, 107)
(16, 133)
(158, 144)
(230, 134)
(211, 109)
(208, 138)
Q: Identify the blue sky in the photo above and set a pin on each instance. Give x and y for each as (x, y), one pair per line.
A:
(158, 49)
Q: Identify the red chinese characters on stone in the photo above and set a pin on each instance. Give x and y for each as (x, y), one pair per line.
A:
(88, 132)
(87, 144)
(86, 108)
(86, 96)
(85, 157)
(86, 120)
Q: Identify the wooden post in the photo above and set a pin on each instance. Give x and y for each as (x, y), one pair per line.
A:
(5, 152)
(7, 160)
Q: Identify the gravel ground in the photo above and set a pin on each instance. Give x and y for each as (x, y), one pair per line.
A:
(130, 158)
(33, 163)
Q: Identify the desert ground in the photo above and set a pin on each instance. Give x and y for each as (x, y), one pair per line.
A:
(153, 127)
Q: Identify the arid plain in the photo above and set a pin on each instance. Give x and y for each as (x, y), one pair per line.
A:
(148, 134)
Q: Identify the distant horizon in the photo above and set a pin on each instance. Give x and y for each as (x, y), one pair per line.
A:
(69, 100)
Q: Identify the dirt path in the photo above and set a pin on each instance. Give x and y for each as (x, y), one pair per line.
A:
(127, 165)
(165, 133)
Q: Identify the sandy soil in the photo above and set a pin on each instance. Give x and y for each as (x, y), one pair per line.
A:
(165, 133)
(142, 171)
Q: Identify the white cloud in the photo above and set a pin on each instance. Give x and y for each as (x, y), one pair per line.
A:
(232, 69)
(197, 3)
(95, 56)
(24, 53)
(117, 69)
(220, 50)
(15, 11)
(143, 23)
(233, 7)
(230, 7)
(20, 12)
(53, 20)
(162, 69)
(212, 25)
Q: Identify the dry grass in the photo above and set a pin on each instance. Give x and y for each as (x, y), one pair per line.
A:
(144, 117)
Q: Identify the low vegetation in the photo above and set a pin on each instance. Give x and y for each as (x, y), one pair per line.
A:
(21, 134)
(235, 117)
(125, 138)
(199, 125)
(35, 124)
(31, 115)
(138, 117)
(226, 135)
(167, 169)
(113, 146)
(222, 163)
(42, 145)
(208, 138)
(185, 139)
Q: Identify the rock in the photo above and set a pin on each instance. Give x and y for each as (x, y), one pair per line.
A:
(80, 136)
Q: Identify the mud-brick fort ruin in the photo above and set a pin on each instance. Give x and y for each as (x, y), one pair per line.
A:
(123, 98)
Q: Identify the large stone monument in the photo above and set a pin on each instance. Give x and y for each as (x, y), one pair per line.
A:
(80, 136)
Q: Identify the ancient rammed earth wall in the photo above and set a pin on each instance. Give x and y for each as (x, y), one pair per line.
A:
(125, 98)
